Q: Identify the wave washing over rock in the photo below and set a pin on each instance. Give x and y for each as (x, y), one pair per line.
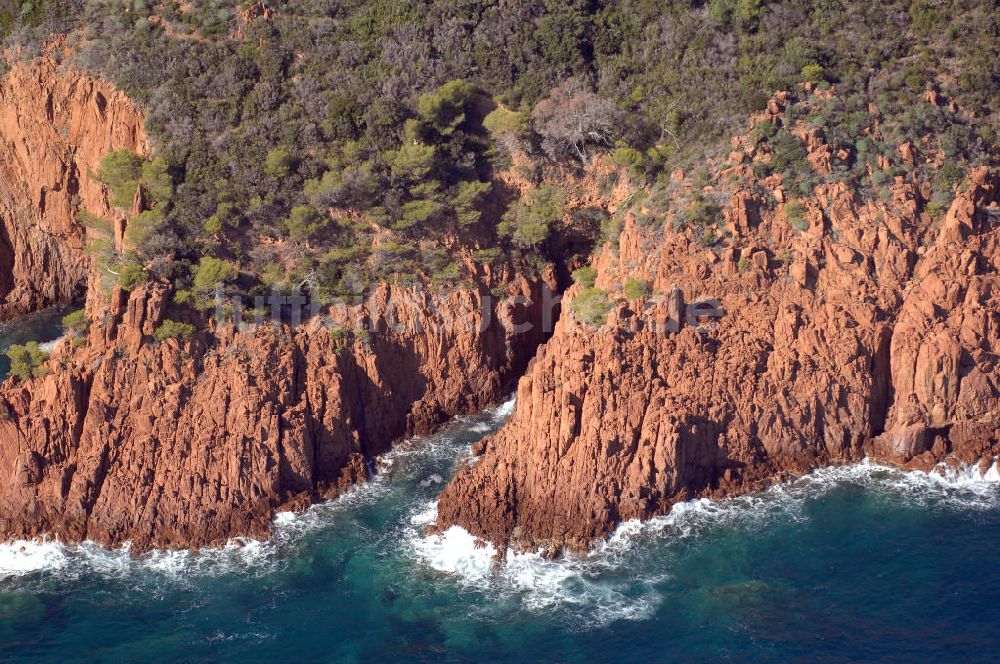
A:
(366, 556)
(616, 580)
(868, 332)
(241, 555)
(579, 585)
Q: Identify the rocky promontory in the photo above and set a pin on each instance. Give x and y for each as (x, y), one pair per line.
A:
(850, 327)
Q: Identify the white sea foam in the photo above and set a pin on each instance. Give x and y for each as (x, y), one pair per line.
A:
(535, 581)
(24, 557)
(49, 346)
(70, 561)
(583, 584)
(503, 411)
(426, 516)
(594, 589)
(455, 551)
(575, 586)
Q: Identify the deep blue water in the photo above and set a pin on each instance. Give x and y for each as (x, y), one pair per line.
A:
(857, 563)
(41, 326)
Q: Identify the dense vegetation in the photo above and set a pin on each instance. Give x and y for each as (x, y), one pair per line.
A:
(27, 361)
(338, 141)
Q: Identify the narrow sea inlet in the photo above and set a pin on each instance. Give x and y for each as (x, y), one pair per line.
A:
(43, 326)
(859, 562)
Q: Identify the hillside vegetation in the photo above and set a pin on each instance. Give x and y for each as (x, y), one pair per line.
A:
(323, 144)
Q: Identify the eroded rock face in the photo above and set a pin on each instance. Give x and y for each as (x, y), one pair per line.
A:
(55, 125)
(871, 333)
(179, 444)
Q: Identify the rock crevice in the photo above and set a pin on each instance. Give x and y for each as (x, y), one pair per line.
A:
(48, 153)
(874, 336)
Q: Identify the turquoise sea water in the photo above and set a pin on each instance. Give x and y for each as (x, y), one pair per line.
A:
(42, 326)
(857, 563)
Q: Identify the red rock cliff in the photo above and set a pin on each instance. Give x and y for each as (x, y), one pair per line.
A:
(188, 444)
(872, 332)
(55, 125)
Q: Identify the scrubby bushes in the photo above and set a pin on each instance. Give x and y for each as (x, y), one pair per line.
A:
(637, 289)
(795, 215)
(76, 322)
(572, 119)
(591, 306)
(172, 329)
(131, 276)
(398, 112)
(702, 212)
(121, 171)
(585, 276)
(27, 361)
(278, 163)
(304, 222)
(529, 220)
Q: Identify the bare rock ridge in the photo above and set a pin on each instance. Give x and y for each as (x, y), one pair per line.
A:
(177, 445)
(872, 333)
(55, 125)
(864, 327)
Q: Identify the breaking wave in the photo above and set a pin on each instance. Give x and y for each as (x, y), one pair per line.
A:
(625, 577)
(600, 587)
(245, 556)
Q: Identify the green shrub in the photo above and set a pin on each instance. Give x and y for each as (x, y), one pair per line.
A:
(765, 130)
(466, 199)
(503, 122)
(788, 153)
(632, 159)
(131, 276)
(487, 256)
(304, 222)
(27, 361)
(278, 162)
(172, 329)
(445, 108)
(140, 226)
(212, 225)
(813, 73)
(591, 306)
(611, 230)
(939, 203)
(157, 182)
(529, 220)
(76, 322)
(795, 215)
(121, 170)
(637, 289)
(585, 276)
(225, 215)
(97, 223)
(418, 211)
(213, 271)
(183, 297)
(701, 212)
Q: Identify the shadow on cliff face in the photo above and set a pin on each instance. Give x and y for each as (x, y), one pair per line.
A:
(191, 441)
(6, 264)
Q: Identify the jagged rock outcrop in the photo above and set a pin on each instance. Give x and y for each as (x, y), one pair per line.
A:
(55, 125)
(872, 332)
(177, 444)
